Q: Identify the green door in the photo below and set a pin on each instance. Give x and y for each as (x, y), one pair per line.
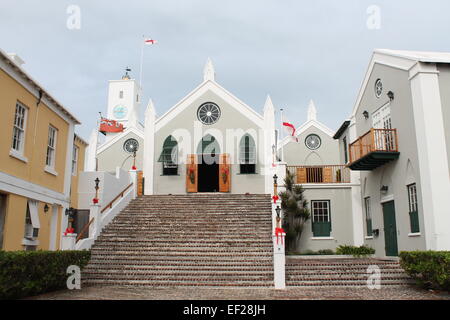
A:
(390, 229)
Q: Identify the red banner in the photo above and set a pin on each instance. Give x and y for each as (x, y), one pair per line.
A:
(107, 125)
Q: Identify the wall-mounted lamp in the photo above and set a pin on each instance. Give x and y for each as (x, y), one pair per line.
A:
(384, 189)
(71, 212)
(46, 208)
(390, 94)
(376, 232)
(366, 114)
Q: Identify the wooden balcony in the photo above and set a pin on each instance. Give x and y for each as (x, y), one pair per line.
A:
(374, 149)
(320, 174)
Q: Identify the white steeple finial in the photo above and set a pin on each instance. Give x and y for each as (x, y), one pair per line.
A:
(208, 71)
(268, 106)
(312, 111)
(150, 111)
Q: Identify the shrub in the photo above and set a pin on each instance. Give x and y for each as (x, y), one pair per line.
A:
(296, 212)
(27, 273)
(430, 269)
(355, 251)
(315, 253)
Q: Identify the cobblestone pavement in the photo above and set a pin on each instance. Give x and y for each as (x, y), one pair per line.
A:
(137, 293)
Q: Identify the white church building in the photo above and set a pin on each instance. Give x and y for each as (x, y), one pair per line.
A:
(211, 141)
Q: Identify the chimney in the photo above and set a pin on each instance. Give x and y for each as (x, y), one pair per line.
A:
(17, 60)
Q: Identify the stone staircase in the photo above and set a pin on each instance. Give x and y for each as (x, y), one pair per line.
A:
(341, 272)
(212, 240)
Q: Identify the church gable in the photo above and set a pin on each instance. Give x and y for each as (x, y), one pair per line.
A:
(315, 145)
(209, 89)
(114, 154)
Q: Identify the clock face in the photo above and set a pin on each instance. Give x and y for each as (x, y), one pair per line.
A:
(208, 113)
(131, 145)
(313, 142)
(120, 111)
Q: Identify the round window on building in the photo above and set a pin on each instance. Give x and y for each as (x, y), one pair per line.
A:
(131, 145)
(313, 141)
(208, 113)
(378, 88)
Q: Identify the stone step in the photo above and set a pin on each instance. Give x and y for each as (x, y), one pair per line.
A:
(350, 283)
(182, 267)
(186, 240)
(343, 276)
(146, 274)
(181, 241)
(176, 283)
(182, 260)
(177, 276)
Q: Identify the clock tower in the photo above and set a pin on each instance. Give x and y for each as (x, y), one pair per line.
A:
(124, 101)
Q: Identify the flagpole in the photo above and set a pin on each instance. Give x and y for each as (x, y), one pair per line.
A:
(142, 62)
(282, 135)
(96, 145)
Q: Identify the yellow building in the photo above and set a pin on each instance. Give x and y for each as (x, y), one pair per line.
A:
(40, 157)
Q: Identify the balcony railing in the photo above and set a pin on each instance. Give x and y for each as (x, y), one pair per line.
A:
(373, 149)
(320, 174)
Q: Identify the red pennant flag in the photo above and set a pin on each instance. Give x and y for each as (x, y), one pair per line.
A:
(290, 128)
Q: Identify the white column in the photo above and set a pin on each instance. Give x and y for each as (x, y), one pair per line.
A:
(431, 148)
(91, 151)
(133, 178)
(279, 261)
(279, 258)
(149, 147)
(53, 227)
(69, 155)
(357, 211)
(269, 141)
(281, 174)
(94, 213)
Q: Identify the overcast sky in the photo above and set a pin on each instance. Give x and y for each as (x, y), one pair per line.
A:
(293, 50)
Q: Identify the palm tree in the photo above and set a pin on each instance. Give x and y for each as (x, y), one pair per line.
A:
(296, 212)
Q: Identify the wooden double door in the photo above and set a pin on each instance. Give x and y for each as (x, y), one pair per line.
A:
(208, 173)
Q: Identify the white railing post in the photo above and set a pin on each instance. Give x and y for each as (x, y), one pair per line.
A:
(278, 236)
(133, 178)
(279, 261)
(94, 213)
(68, 241)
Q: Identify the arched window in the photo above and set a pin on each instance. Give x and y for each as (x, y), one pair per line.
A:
(208, 145)
(169, 156)
(247, 155)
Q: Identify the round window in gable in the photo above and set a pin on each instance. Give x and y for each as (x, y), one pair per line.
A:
(208, 113)
(313, 141)
(131, 145)
(378, 88)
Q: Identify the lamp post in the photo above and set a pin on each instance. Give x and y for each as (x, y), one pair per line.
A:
(278, 211)
(71, 212)
(275, 185)
(134, 160)
(97, 182)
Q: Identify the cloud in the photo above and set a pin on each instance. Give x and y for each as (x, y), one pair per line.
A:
(293, 50)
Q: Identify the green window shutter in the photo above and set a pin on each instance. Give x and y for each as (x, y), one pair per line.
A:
(369, 227)
(321, 229)
(169, 153)
(414, 221)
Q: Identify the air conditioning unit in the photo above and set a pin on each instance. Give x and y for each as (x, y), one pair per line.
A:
(30, 232)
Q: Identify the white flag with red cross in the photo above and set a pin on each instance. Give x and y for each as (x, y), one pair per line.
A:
(149, 41)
